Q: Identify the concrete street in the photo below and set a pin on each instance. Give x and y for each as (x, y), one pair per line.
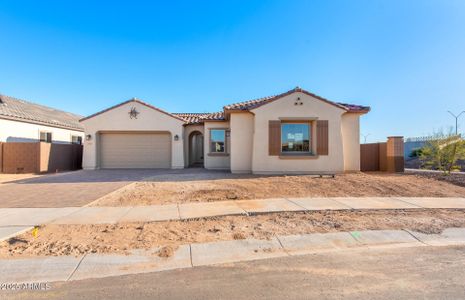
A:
(400, 273)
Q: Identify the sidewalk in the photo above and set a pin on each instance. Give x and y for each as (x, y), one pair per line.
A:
(20, 219)
(66, 268)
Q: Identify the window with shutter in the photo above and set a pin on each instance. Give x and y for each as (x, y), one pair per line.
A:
(45, 136)
(274, 138)
(322, 137)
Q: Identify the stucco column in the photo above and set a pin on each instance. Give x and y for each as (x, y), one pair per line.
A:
(177, 152)
(395, 154)
(89, 155)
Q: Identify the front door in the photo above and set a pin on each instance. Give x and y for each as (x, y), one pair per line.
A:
(196, 149)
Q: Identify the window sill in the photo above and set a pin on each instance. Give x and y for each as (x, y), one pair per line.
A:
(298, 156)
(218, 154)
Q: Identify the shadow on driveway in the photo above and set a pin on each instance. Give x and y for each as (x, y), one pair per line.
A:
(132, 175)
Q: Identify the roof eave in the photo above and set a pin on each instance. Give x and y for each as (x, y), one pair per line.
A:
(128, 101)
(30, 121)
(361, 111)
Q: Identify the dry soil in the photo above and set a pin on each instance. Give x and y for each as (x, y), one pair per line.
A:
(120, 238)
(353, 185)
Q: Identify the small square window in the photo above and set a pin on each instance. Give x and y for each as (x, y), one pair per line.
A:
(218, 141)
(75, 139)
(45, 137)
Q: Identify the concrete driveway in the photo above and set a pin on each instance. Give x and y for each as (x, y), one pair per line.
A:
(68, 189)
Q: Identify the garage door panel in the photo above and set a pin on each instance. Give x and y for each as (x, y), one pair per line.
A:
(135, 150)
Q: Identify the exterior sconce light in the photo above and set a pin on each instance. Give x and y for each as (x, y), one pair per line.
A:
(176, 137)
(88, 137)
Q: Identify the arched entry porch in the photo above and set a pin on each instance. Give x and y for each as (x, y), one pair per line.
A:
(196, 149)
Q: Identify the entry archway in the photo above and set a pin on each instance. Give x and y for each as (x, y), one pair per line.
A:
(196, 149)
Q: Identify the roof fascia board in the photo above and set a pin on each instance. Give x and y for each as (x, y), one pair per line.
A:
(129, 101)
(40, 123)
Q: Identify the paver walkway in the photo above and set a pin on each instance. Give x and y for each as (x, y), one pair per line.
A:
(68, 268)
(67, 189)
(78, 188)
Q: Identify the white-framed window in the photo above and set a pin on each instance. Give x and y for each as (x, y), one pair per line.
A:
(296, 137)
(76, 139)
(218, 140)
(45, 136)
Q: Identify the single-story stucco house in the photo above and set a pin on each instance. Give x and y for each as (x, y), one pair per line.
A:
(294, 132)
(23, 121)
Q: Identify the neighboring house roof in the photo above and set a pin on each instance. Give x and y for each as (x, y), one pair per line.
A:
(24, 111)
(128, 101)
(252, 104)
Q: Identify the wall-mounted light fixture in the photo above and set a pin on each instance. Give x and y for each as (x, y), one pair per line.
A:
(176, 137)
(88, 137)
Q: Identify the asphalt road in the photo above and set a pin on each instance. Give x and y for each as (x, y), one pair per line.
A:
(401, 273)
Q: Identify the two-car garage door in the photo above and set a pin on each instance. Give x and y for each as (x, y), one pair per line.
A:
(135, 150)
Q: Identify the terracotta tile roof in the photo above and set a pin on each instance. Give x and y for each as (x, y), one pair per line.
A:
(198, 118)
(355, 107)
(216, 116)
(190, 118)
(20, 110)
(251, 104)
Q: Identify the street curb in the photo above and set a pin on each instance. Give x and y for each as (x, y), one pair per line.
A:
(4, 238)
(233, 251)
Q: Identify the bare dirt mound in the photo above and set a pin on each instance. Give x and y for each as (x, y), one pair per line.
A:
(79, 239)
(353, 185)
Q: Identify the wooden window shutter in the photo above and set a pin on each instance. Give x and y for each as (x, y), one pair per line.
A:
(322, 137)
(274, 138)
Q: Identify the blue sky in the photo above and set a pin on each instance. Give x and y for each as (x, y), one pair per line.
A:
(404, 58)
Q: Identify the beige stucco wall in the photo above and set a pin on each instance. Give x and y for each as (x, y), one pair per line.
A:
(187, 131)
(351, 141)
(242, 134)
(211, 161)
(117, 119)
(14, 131)
(285, 108)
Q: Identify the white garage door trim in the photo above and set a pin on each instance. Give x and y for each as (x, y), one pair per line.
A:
(134, 149)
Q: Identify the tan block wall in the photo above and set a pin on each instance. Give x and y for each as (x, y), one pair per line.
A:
(59, 157)
(40, 157)
(395, 154)
(21, 158)
(1, 157)
(385, 157)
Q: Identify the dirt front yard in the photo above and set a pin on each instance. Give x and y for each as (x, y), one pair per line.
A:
(120, 238)
(260, 187)
(454, 178)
